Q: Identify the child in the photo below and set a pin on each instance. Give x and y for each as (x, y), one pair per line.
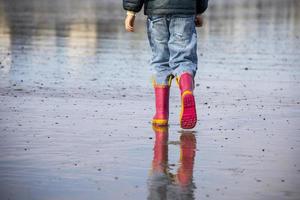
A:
(173, 40)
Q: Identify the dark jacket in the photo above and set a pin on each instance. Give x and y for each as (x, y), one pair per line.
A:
(166, 7)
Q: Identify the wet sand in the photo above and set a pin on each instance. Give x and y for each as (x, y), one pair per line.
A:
(76, 102)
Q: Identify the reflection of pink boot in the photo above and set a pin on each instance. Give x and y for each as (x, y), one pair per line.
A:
(162, 105)
(188, 115)
(160, 158)
(187, 156)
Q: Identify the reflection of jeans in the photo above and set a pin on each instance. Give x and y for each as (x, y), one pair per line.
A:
(173, 40)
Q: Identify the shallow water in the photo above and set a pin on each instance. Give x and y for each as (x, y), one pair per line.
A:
(76, 103)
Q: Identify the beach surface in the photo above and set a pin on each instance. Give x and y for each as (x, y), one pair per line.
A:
(76, 102)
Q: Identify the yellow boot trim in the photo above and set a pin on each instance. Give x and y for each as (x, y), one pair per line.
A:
(170, 80)
(160, 122)
(162, 85)
(177, 81)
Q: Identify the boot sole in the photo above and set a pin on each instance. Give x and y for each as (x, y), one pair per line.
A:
(188, 116)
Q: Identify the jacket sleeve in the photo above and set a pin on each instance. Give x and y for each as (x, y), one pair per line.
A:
(201, 6)
(133, 5)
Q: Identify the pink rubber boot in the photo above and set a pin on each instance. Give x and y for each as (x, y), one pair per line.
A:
(188, 115)
(161, 116)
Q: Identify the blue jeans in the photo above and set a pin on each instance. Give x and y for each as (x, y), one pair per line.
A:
(173, 41)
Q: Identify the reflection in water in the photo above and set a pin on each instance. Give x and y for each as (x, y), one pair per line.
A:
(4, 42)
(58, 42)
(162, 183)
(77, 41)
(82, 42)
(69, 70)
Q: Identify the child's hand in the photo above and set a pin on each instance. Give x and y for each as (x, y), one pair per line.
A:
(129, 22)
(199, 21)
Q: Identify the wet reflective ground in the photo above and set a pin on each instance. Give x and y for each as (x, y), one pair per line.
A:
(76, 103)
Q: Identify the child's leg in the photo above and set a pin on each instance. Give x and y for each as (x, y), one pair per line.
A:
(158, 34)
(183, 45)
(183, 60)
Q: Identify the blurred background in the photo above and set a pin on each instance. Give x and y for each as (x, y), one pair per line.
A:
(88, 39)
(76, 102)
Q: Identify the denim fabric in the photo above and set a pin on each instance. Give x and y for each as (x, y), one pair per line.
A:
(173, 41)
